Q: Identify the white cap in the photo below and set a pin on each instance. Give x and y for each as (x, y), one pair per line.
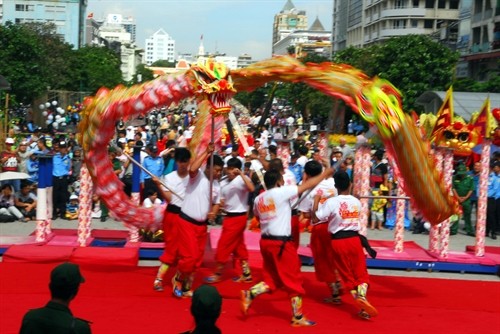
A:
(228, 150)
(9, 141)
(72, 197)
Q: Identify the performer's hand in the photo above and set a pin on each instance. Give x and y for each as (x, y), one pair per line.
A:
(210, 148)
(211, 216)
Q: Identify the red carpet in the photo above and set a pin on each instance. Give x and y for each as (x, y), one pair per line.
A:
(121, 300)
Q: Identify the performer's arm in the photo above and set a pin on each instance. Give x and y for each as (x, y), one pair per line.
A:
(199, 159)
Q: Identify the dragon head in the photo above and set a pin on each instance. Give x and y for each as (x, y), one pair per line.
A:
(459, 136)
(214, 84)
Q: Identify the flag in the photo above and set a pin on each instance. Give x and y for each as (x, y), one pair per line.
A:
(90, 15)
(482, 123)
(444, 115)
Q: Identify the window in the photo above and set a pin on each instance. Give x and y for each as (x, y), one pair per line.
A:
(414, 23)
(429, 3)
(399, 24)
(428, 24)
(441, 4)
(400, 4)
(454, 4)
(416, 3)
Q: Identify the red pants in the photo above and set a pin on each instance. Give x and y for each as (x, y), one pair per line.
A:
(191, 240)
(232, 239)
(281, 271)
(350, 261)
(170, 236)
(295, 231)
(321, 246)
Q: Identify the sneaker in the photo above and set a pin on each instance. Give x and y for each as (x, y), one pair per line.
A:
(246, 301)
(158, 284)
(212, 279)
(243, 279)
(187, 294)
(364, 315)
(176, 288)
(302, 322)
(365, 306)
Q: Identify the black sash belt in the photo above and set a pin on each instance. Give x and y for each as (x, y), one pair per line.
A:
(282, 238)
(295, 212)
(191, 220)
(364, 241)
(173, 208)
(235, 214)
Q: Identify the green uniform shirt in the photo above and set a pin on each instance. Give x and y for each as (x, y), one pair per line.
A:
(54, 318)
(463, 186)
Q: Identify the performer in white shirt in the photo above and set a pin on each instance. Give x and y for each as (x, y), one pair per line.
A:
(342, 213)
(177, 182)
(235, 201)
(199, 207)
(281, 262)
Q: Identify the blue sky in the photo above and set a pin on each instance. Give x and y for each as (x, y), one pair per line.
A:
(231, 26)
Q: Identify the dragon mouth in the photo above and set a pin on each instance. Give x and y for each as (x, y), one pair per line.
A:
(220, 101)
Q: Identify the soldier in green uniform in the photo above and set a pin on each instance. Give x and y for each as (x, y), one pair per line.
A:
(463, 187)
(56, 317)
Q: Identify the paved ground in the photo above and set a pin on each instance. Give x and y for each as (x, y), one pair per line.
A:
(457, 243)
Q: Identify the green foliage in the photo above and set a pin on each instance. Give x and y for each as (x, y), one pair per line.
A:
(35, 59)
(470, 85)
(145, 74)
(97, 67)
(163, 63)
(255, 99)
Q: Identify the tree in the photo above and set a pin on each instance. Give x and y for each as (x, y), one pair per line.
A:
(145, 74)
(97, 67)
(163, 63)
(412, 63)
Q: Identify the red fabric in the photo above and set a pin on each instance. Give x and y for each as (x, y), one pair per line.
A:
(121, 300)
(281, 271)
(324, 264)
(39, 254)
(192, 240)
(106, 256)
(170, 236)
(232, 240)
(350, 261)
(295, 231)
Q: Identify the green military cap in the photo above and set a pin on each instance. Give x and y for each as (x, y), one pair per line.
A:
(66, 274)
(206, 303)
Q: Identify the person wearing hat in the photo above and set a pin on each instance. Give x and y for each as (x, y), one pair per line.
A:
(72, 207)
(155, 165)
(206, 307)
(9, 161)
(56, 317)
(463, 187)
(60, 176)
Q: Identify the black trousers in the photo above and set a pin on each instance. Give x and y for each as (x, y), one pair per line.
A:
(493, 216)
(60, 195)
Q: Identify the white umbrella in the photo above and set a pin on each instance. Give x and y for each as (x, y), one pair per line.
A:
(4, 176)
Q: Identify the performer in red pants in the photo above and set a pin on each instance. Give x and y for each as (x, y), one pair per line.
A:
(198, 207)
(235, 191)
(176, 181)
(320, 243)
(281, 263)
(342, 214)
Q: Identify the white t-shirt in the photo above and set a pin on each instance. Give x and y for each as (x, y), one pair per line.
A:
(302, 160)
(235, 195)
(256, 165)
(325, 189)
(273, 209)
(177, 184)
(197, 202)
(342, 213)
(148, 204)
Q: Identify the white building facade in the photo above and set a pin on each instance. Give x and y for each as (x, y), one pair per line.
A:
(160, 46)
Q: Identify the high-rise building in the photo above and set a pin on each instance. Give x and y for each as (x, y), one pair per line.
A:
(288, 20)
(479, 39)
(366, 22)
(68, 16)
(159, 46)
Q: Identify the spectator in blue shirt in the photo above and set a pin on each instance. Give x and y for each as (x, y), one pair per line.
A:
(493, 209)
(295, 167)
(155, 165)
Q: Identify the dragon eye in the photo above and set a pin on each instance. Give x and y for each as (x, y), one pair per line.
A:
(463, 137)
(448, 135)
